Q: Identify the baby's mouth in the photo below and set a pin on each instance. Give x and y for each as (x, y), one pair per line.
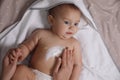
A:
(69, 33)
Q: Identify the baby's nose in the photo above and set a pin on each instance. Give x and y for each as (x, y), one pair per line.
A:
(72, 27)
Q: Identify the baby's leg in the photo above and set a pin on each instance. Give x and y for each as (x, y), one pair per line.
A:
(23, 73)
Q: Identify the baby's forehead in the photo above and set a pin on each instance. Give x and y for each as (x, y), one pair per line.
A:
(62, 7)
(66, 6)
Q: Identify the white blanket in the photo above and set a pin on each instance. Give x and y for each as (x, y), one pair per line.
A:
(97, 63)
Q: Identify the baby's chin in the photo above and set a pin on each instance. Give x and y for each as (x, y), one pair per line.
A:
(65, 37)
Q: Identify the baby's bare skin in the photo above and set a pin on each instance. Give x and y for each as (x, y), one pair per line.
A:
(63, 27)
(62, 70)
(39, 60)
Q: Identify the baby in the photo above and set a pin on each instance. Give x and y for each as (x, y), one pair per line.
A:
(46, 44)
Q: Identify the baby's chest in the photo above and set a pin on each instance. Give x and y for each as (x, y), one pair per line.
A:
(53, 48)
(50, 42)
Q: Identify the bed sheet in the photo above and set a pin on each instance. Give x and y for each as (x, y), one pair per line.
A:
(106, 14)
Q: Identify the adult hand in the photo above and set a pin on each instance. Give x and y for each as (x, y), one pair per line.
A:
(64, 66)
(15, 52)
(9, 66)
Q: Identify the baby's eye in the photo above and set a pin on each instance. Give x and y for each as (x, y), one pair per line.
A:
(76, 24)
(66, 22)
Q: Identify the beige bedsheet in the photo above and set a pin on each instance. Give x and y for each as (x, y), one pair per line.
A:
(106, 14)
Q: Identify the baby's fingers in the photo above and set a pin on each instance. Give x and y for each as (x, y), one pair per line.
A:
(18, 51)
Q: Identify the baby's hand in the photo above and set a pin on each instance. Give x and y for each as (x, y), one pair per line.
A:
(13, 54)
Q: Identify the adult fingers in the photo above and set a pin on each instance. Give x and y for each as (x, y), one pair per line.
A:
(15, 61)
(57, 66)
(13, 53)
(64, 58)
(67, 56)
(12, 56)
(70, 60)
(6, 60)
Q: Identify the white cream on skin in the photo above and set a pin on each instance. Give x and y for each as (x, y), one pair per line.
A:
(54, 51)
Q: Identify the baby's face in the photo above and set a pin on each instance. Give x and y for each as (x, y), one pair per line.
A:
(66, 23)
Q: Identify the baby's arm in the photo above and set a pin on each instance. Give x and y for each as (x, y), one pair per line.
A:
(29, 44)
(77, 64)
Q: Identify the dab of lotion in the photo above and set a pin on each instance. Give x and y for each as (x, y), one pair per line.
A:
(54, 51)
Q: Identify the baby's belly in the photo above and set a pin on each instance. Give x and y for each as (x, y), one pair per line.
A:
(45, 61)
(43, 65)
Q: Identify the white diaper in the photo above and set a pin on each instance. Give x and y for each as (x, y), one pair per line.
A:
(41, 76)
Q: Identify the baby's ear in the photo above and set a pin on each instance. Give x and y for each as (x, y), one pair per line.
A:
(50, 19)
